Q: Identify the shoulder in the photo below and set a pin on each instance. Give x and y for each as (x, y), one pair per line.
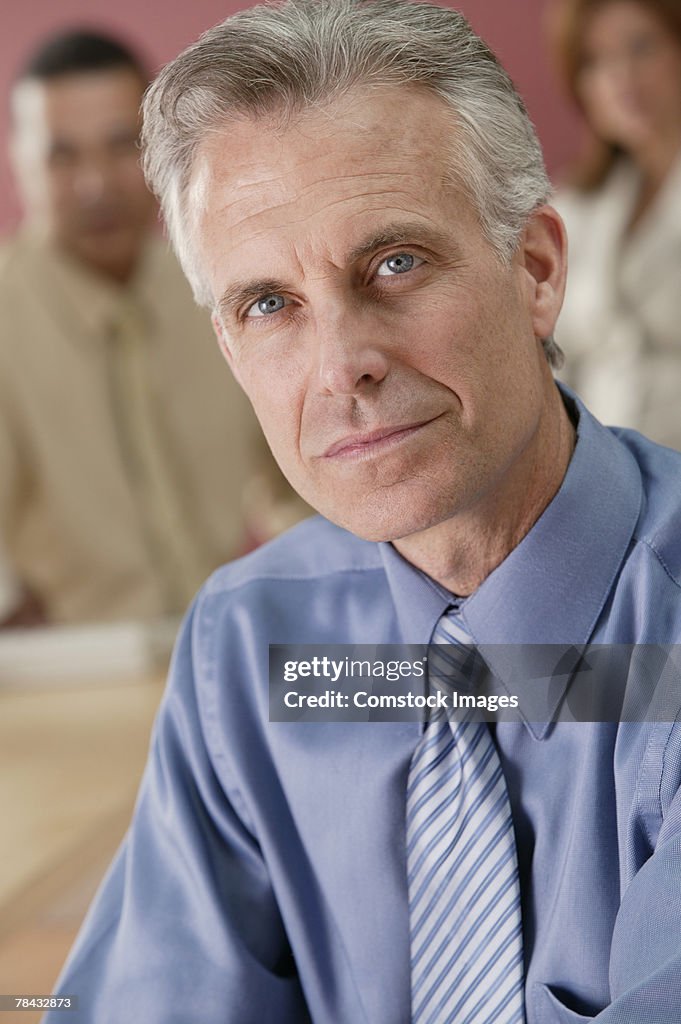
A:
(16, 257)
(27, 273)
(570, 201)
(316, 583)
(23, 275)
(158, 256)
(578, 205)
(659, 525)
(313, 551)
(575, 204)
(578, 209)
(160, 281)
(160, 271)
(7, 248)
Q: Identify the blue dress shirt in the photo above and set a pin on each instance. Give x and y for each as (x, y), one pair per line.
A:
(263, 877)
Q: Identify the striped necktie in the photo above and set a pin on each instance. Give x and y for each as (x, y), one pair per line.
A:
(464, 895)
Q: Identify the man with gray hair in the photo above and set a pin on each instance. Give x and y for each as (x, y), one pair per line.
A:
(356, 192)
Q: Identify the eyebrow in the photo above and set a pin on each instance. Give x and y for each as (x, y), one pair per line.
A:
(401, 233)
(243, 291)
(396, 233)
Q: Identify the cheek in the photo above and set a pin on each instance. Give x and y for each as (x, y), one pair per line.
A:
(130, 179)
(665, 81)
(469, 334)
(445, 335)
(59, 189)
(276, 406)
(598, 96)
(599, 105)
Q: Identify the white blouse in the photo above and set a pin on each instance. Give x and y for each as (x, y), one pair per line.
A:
(620, 326)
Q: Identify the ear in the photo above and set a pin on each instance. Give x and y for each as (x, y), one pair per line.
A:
(543, 258)
(224, 345)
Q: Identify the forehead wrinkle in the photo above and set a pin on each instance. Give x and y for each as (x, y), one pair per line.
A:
(405, 225)
(280, 179)
(394, 195)
(334, 177)
(395, 232)
(253, 288)
(255, 186)
(401, 206)
(332, 203)
(291, 201)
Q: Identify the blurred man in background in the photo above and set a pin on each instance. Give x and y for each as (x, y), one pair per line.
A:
(125, 447)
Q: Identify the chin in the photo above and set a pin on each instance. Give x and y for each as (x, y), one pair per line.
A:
(115, 262)
(386, 520)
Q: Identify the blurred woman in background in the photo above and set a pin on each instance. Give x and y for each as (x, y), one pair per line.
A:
(621, 323)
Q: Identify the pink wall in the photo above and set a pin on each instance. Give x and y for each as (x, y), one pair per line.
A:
(161, 29)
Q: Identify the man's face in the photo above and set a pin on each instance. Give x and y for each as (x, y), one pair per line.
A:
(389, 355)
(76, 157)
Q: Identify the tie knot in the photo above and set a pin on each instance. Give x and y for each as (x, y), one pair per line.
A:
(128, 321)
(450, 628)
(453, 661)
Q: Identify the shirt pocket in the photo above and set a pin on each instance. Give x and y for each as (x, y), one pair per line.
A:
(548, 1009)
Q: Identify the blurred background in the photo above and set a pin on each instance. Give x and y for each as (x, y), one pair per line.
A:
(81, 674)
(516, 32)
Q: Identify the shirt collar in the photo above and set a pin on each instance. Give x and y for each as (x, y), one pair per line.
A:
(94, 298)
(553, 586)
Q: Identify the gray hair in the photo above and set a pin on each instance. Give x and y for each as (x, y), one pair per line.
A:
(289, 57)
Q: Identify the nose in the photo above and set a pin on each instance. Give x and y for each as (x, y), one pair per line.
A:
(351, 357)
(92, 180)
(622, 71)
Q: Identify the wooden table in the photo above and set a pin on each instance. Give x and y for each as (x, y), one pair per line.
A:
(70, 764)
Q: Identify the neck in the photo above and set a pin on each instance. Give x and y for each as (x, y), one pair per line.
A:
(119, 273)
(117, 270)
(654, 163)
(655, 160)
(461, 552)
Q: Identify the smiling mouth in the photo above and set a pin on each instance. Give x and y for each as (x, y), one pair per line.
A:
(374, 442)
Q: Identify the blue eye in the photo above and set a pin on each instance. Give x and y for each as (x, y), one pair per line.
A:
(268, 304)
(400, 263)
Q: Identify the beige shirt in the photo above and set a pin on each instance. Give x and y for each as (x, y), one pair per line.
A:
(620, 325)
(9, 590)
(95, 527)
